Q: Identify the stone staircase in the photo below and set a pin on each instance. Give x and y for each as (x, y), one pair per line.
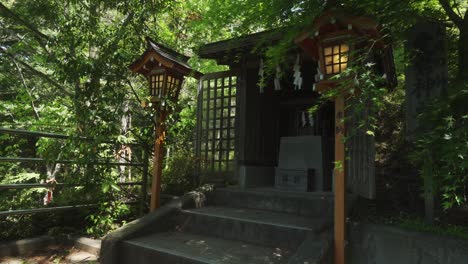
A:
(241, 226)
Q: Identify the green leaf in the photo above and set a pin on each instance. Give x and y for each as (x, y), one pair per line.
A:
(115, 187)
(105, 187)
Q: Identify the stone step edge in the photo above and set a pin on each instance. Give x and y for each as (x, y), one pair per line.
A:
(248, 220)
(176, 252)
(171, 252)
(288, 194)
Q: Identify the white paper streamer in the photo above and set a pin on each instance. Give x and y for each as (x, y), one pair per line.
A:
(278, 78)
(261, 74)
(297, 74)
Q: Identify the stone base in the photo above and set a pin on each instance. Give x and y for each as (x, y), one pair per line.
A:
(297, 180)
(256, 176)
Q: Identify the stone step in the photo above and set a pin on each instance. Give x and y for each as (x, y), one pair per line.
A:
(312, 204)
(255, 226)
(187, 248)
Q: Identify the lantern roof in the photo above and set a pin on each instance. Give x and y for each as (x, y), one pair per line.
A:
(337, 22)
(335, 25)
(158, 55)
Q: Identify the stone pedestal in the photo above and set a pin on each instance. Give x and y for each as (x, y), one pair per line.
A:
(300, 164)
(255, 176)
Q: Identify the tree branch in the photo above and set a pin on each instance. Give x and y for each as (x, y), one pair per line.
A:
(133, 91)
(23, 81)
(29, 67)
(19, 19)
(456, 19)
(138, 98)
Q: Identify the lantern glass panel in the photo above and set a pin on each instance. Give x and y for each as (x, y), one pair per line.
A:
(336, 68)
(156, 85)
(173, 84)
(344, 48)
(336, 58)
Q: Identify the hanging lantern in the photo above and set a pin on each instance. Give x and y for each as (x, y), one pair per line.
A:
(165, 70)
(334, 58)
(333, 53)
(164, 84)
(333, 39)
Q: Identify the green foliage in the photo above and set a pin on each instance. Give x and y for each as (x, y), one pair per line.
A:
(365, 91)
(17, 199)
(64, 68)
(441, 149)
(391, 142)
(418, 224)
(180, 172)
(109, 214)
(182, 123)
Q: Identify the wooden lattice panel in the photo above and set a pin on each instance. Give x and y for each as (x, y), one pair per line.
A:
(216, 137)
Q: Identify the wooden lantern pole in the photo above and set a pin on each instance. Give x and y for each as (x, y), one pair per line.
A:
(329, 29)
(160, 135)
(159, 65)
(340, 181)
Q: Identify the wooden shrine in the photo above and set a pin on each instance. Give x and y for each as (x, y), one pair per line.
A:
(248, 133)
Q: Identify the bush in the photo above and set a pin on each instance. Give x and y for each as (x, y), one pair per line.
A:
(179, 176)
(441, 149)
(109, 217)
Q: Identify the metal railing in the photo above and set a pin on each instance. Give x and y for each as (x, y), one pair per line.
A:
(143, 165)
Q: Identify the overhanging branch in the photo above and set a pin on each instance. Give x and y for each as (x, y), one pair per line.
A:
(26, 24)
(39, 73)
(23, 81)
(456, 19)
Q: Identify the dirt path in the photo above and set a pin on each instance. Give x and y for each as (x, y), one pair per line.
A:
(53, 255)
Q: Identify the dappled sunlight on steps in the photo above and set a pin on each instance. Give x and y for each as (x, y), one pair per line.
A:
(241, 226)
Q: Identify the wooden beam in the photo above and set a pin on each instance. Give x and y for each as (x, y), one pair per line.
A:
(339, 182)
(160, 135)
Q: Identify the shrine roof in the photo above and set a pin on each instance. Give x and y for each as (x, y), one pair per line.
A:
(243, 44)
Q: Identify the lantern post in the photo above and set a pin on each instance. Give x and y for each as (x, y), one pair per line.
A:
(165, 71)
(331, 40)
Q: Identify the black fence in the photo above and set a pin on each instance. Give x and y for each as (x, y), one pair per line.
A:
(143, 165)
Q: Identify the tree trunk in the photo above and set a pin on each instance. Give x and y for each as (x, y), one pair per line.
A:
(458, 105)
(462, 77)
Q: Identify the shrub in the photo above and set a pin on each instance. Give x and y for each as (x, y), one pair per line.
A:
(179, 176)
(441, 149)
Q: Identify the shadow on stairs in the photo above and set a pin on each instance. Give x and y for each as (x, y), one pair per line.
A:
(235, 226)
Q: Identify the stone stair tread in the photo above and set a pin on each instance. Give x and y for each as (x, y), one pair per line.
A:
(210, 250)
(268, 191)
(262, 217)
